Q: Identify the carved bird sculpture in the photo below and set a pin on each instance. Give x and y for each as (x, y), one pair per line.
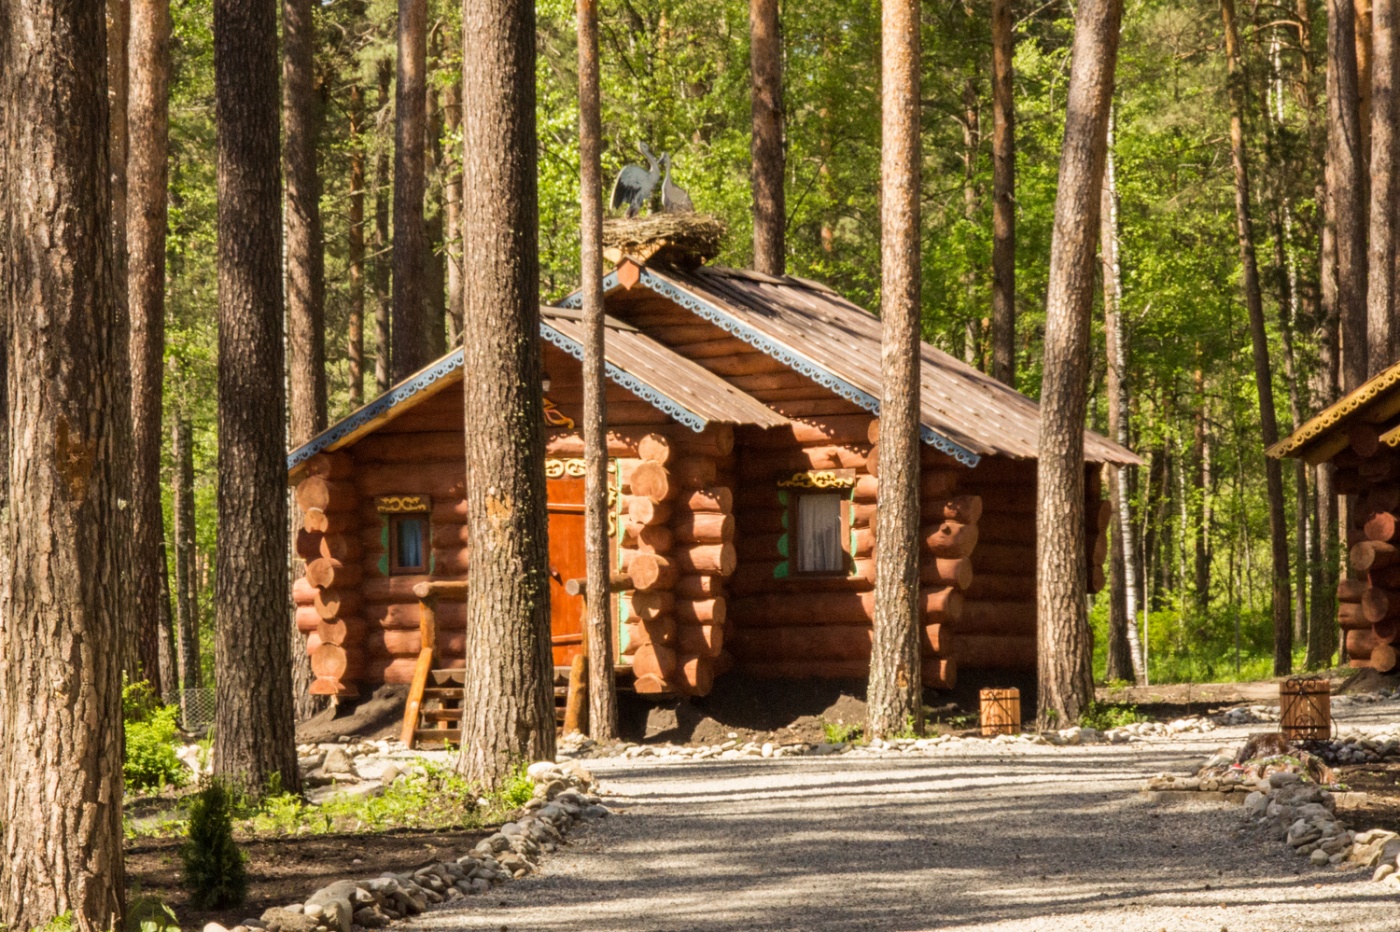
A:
(635, 184)
(674, 198)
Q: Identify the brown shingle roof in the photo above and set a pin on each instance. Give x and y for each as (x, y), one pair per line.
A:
(820, 333)
(1319, 439)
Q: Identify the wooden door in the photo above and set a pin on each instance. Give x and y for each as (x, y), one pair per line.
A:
(566, 561)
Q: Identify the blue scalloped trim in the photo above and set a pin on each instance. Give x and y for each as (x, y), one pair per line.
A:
(634, 385)
(377, 408)
(792, 360)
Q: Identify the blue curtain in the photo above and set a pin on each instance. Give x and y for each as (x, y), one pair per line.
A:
(411, 542)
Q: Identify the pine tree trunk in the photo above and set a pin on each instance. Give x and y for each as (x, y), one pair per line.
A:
(409, 351)
(769, 202)
(62, 542)
(148, 122)
(383, 182)
(435, 270)
(895, 693)
(1124, 659)
(1003, 196)
(602, 688)
(253, 729)
(1385, 184)
(306, 342)
(355, 249)
(1346, 189)
(1200, 533)
(972, 206)
(1273, 469)
(508, 706)
(452, 236)
(1065, 648)
(186, 584)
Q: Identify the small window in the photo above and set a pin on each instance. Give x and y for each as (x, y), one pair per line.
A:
(408, 543)
(820, 532)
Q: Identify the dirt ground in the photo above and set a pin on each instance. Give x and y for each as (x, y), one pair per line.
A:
(288, 869)
(378, 715)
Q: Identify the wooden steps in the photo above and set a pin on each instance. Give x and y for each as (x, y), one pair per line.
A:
(435, 707)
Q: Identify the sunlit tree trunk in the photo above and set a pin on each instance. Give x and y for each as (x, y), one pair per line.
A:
(383, 299)
(896, 690)
(1380, 291)
(1003, 196)
(1064, 642)
(355, 248)
(766, 70)
(1346, 189)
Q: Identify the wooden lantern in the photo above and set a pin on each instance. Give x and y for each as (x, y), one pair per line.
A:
(1001, 712)
(1305, 709)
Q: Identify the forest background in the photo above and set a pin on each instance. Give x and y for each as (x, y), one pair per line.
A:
(675, 75)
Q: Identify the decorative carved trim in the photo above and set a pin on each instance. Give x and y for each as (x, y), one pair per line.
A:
(647, 393)
(402, 504)
(564, 468)
(553, 417)
(1335, 415)
(820, 479)
(788, 357)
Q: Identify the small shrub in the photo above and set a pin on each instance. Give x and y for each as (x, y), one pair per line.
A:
(841, 733)
(150, 914)
(214, 870)
(139, 702)
(1102, 716)
(518, 789)
(150, 762)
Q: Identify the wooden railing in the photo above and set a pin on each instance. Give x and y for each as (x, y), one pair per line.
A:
(428, 594)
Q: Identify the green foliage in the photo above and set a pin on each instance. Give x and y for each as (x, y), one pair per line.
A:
(63, 922)
(841, 733)
(150, 914)
(149, 760)
(214, 867)
(518, 789)
(1105, 715)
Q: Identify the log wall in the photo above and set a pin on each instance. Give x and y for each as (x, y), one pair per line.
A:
(1368, 609)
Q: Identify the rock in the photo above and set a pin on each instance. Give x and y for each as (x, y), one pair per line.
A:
(1382, 872)
(543, 771)
(387, 776)
(1319, 857)
(315, 910)
(338, 761)
(335, 899)
(215, 927)
(278, 919)
(1282, 778)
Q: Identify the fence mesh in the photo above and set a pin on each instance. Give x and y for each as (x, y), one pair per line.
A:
(196, 709)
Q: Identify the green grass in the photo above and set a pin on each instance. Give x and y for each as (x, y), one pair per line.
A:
(841, 733)
(1102, 716)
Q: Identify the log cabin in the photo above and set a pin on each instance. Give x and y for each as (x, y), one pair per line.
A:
(1359, 437)
(743, 436)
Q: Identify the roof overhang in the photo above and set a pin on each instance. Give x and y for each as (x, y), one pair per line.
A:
(1323, 436)
(798, 362)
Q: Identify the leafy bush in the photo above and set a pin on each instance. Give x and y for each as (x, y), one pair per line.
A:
(139, 701)
(214, 870)
(517, 789)
(841, 733)
(1105, 715)
(150, 762)
(150, 914)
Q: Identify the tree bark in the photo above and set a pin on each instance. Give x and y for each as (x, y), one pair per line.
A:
(972, 205)
(1064, 647)
(434, 258)
(602, 688)
(383, 308)
(1380, 294)
(148, 123)
(305, 258)
(62, 541)
(1124, 657)
(1263, 378)
(895, 693)
(452, 236)
(355, 259)
(186, 584)
(253, 729)
(1003, 196)
(410, 344)
(1345, 194)
(769, 202)
(508, 707)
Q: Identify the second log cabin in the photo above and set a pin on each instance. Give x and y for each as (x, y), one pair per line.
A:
(743, 422)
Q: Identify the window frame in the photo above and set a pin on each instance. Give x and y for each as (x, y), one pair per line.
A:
(396, 566)
(795, 540)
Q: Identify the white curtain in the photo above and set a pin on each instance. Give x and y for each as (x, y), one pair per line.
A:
(819, 547)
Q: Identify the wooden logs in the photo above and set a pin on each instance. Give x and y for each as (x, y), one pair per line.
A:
(712, 559)
(306, 619)
(816, 608)
(647, 538)
(327, 573)
(980, 652)
(341, 631)
(645, 512)
(647, 605)
(1351, 590)
(712, 499)
(937, 673)
(327, 495)
(1364, 439)
(652, 571)
(695, 675)
(1012, 619)
(703, 612)
(1386, 631)
(649, 684)
(700, 640)
(699, 587)
(308, 544)
(654, 631)
(654, 660)
(330, 466)
(1383, 657)
(690, 473)
(704, 528)
(651, 480)
(1352, 615)
(1002, 587)
(950, 539)
(1380, 604)
(340, 547)
(1370, 555)
(335, 662)
(1382, 526)
(314, 519)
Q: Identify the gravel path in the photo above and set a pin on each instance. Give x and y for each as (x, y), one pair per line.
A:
(1023, 838)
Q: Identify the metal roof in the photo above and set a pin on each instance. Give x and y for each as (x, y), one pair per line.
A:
(806, 325)
(1376, 402)
(677, 386)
